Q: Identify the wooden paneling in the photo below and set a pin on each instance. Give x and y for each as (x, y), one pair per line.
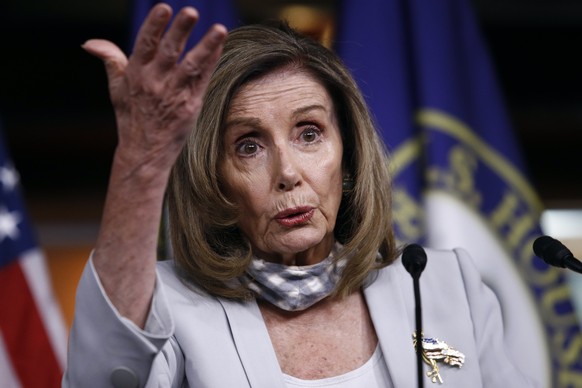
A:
(66, 264)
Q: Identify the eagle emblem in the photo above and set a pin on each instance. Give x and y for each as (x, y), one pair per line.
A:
(435, 351)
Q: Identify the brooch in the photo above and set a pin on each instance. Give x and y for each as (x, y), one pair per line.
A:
(434, 351)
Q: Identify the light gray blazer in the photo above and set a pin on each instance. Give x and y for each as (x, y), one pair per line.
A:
(194, 340)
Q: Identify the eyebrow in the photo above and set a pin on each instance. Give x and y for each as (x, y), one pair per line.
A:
(308, 108)
(256, 122)
(244, 121)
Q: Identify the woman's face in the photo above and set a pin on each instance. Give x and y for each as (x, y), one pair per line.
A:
(283, 166)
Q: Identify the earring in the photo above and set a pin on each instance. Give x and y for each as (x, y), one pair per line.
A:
(347, 184)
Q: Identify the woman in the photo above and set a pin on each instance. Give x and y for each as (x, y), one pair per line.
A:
(280, 222)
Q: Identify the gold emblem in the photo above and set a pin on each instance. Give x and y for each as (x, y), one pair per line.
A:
(435, 351)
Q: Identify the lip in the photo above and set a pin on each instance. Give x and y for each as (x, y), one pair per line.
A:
(295, 216)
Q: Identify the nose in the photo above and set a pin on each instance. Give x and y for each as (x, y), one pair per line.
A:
(287, 173)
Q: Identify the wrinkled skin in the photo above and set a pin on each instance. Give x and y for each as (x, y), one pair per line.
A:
(283, 166)
(157, 99)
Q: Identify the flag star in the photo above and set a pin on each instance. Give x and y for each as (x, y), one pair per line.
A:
(8, 224)
(8, 177)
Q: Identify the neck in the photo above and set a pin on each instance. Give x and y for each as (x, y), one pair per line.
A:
(324, 309)
(309, 256)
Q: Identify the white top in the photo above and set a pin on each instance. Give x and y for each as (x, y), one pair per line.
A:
(373, 374)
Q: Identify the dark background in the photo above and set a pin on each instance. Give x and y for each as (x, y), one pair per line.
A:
(59, 125)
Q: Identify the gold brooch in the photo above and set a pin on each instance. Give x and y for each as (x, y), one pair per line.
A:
(434, 351)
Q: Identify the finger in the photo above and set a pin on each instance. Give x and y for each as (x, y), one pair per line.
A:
(114, 59)
(150, 33)
(200, 61)
(174, 40)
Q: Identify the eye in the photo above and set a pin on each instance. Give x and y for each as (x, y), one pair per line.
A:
(311, 134)
(247, 148)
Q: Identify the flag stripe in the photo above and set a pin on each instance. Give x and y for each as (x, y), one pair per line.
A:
(34, 266)
(9, 379)
(25, 337)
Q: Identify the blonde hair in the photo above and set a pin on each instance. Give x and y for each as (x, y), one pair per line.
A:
(209, 249)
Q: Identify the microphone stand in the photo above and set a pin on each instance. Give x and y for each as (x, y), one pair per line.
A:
(414, 260)
(418, 316)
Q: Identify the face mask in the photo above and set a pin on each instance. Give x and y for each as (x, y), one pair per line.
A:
(295, 288)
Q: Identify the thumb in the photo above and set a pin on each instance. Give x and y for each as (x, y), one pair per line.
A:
(114, 59)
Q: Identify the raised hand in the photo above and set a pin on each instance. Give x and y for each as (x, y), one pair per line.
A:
(157, 98)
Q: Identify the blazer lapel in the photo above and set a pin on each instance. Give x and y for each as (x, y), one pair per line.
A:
(392, 313)
(253, 344)
(393, 318)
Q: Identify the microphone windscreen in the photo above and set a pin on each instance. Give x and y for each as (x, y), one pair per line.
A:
(551, 251)
(414, 259)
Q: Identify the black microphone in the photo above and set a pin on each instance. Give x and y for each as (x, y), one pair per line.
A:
(414, 260)
(555, 253)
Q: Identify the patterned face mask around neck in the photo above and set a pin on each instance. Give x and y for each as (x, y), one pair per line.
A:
(295, 288)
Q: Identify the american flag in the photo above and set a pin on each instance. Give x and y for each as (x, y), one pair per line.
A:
(32, 329)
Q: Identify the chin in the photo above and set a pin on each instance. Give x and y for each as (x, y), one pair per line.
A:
(301, 241)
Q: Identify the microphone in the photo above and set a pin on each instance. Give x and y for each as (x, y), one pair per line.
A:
(555, 253)
(414, 260)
